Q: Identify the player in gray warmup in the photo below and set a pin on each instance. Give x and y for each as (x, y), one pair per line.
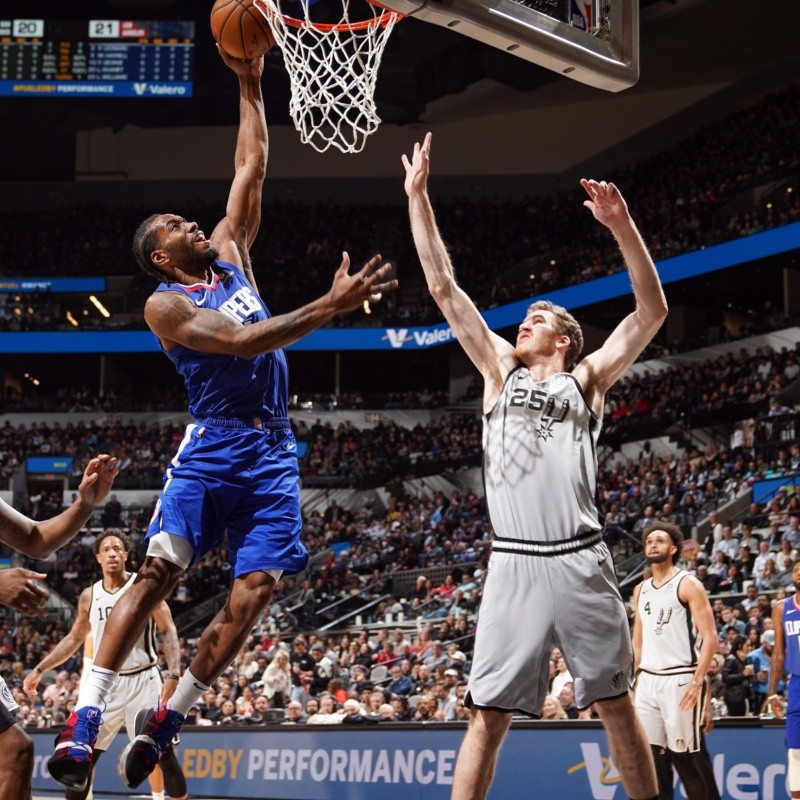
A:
(551, 579)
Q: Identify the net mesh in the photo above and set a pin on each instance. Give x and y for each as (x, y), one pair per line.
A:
(332, 69)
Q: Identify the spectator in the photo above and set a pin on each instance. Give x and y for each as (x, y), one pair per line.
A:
(552, 709)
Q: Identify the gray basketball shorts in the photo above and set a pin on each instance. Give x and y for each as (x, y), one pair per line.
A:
(532, 603)
(9, 710)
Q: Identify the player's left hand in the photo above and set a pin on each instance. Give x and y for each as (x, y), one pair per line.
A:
(254, 68)
(690, 696)
(98, 478)
(605, 202)
(168, 689)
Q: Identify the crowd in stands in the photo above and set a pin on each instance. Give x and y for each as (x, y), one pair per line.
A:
(364, 552)
(679, 198)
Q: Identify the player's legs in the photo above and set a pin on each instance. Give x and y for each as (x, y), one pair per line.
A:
(16, 761)
(793, 739)
(692, 775)
(229, 630)
(477, 758)
(630, 750)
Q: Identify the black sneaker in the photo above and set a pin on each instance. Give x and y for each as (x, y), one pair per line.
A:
(154, 730)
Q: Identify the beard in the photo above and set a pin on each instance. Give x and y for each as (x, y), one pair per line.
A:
(658, 559)
(208, 257)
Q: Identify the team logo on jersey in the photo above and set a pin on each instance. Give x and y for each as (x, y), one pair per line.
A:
(537, 400)
(618, 681)
(242, 306)
(663, 619)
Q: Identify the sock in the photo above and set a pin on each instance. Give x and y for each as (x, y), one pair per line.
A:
(158, 795)
(96, 688)
(188, 693)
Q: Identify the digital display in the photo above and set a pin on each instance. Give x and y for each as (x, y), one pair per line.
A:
(96, 58)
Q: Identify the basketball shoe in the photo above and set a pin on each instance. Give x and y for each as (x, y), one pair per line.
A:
(154, 730)
(71, 763)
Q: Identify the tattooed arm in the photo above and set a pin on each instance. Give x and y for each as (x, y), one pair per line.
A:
(177, 321)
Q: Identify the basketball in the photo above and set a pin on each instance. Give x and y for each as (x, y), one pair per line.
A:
(240, 29)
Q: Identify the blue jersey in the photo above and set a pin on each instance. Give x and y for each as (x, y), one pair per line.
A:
(791, 633)
(222, 386)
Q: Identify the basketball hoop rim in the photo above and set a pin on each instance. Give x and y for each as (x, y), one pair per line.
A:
(383, 20)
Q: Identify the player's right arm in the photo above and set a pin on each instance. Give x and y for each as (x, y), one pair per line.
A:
(636, 636)
(235, 233)
(177, 321)
(67, 647)
(491, 354)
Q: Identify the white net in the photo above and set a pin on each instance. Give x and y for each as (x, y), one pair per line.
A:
(333, 69)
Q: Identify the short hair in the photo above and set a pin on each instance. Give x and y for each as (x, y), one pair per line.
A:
(567, 326)
(126, 542)
(144, 243)
(672, 530)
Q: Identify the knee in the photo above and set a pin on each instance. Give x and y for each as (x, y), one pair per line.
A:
(160, 573)
(490, 726)
(252, 592)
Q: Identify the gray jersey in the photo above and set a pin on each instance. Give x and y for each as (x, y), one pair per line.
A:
(540, 462)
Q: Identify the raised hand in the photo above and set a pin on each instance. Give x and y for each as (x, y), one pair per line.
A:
(19, 590)
(418, 169)
(253, 68)
(606, 203)
(350, 291)
(98, 478)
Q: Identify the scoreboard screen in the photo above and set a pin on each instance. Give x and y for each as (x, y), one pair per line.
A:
(96, 58)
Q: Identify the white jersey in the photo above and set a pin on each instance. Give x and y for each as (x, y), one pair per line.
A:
(670, 642)
(143, 654)
(540, 465)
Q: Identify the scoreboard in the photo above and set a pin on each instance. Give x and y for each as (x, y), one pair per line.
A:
(96, 58)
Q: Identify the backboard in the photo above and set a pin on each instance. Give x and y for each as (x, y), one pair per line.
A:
(592, 41)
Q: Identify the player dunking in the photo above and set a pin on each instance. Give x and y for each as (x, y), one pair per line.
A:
(541, 425)
(236, 468)
(674, 642)
(140, 682)
(20, 591)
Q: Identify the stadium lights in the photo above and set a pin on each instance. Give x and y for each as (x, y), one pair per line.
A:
(72, 321)
(367, 309)
(99, 306)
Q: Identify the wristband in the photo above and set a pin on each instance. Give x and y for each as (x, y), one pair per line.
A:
(172, 675)
(36, 669)
(698, 684)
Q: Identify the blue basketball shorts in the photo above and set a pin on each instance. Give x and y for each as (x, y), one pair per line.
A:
(793, 713)
(241, 480)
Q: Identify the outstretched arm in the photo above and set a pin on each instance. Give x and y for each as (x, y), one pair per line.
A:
(67, 647)
(491, 354)
(234, 235)
(600, 370)
(176, 320)
(40, 539)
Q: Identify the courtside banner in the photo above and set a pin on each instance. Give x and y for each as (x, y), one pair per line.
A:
(398, 762)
